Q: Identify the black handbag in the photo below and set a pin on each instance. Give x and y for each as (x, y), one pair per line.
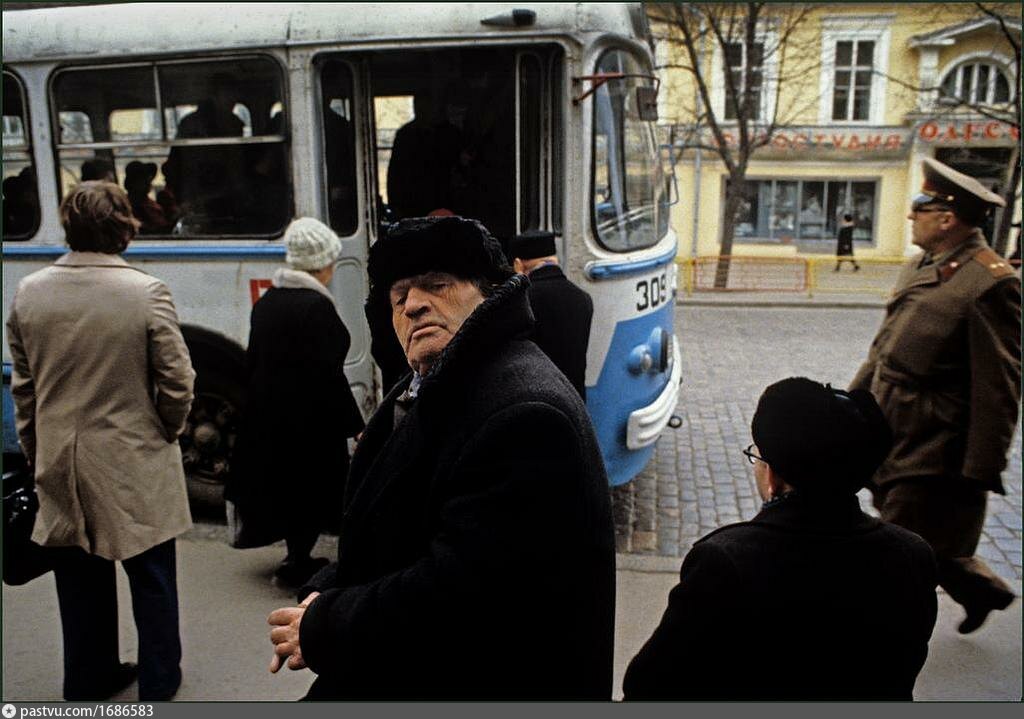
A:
(24, 560)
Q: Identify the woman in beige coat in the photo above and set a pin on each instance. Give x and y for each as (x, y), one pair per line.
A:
(102, 385)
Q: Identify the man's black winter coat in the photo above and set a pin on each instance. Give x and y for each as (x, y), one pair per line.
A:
(807, 601)
(563, 313)
(476, 558)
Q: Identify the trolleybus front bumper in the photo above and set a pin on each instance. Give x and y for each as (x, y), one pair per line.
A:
(645, 424)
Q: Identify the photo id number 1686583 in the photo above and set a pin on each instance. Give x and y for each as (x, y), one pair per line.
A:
(652, 292)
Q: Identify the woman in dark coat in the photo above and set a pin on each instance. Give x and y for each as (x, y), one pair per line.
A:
(291, 459)
(844, 243)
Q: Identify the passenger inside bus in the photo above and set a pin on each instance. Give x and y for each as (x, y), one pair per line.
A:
(98, 168)
(424, 160)
(206, 179)
(138, 181)
(457, 151)
(21, 204)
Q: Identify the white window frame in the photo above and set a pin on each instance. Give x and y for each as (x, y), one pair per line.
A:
(875, 29)
(985, 57)
(769, 39)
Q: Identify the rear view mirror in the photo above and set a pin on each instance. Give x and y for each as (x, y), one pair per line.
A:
(647, 103)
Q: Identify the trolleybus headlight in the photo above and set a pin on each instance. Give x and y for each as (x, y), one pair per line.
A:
(653, 355)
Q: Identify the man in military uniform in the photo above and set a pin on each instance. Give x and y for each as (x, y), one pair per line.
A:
(945, 368)
(563, 311)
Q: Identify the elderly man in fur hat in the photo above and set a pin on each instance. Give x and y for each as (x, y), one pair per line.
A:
(789, 606)
(476, 557)
(945, 367)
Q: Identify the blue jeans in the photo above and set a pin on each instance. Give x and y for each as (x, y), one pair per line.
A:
(87, 595)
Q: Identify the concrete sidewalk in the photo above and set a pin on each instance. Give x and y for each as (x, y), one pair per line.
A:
(226, 595)
(983, 666)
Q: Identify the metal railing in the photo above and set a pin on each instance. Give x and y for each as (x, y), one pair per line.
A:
(800, 275)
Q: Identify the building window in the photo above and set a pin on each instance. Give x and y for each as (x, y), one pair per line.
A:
(854, 67)
(737, 59)
(785, 210)
(851, 94)
(976, 83)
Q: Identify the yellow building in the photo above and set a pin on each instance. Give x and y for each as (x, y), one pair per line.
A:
(859, 94)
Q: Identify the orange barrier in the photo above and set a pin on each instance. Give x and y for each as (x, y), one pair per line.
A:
(745, 274)
(801, 274)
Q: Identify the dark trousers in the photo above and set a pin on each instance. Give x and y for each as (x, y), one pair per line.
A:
(949, 514)
(87, 595)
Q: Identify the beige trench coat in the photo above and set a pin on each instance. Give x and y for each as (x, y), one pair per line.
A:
(102, 384)
(945, 367)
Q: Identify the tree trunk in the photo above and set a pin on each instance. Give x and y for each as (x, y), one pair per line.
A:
(1001, 239)
(732, 203)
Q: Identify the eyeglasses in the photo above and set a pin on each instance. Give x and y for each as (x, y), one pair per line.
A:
(926, 198)
(751, 457)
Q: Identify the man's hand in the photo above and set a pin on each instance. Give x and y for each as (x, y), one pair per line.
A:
(285, 635)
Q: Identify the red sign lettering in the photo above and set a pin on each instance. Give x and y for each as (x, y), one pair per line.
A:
(257, 287)
(957, 132)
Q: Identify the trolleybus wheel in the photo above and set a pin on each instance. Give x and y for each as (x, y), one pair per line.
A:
(209, 439)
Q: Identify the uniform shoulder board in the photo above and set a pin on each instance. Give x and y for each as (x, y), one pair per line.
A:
(993, 262)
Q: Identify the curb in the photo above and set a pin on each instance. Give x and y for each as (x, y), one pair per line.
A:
(649, 563)
(799, 304)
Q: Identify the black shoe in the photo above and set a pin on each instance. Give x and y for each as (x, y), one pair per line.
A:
(295, 574)
(977, 615)
(161, 695)
(123, 676)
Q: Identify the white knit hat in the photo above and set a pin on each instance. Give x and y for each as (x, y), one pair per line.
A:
(311, 244)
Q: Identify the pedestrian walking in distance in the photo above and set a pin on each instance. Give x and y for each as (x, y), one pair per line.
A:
(945, 367)
(844, 244)
(811, 600)
(292, 451)
(476, 556)
(102, 386)
(562, 311)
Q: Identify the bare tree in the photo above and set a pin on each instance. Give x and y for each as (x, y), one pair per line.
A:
(755, 42)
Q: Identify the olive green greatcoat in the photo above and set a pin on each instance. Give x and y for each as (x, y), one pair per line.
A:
(102, 384)
(945, 367)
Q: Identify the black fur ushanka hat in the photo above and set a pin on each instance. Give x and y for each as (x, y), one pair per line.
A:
(417, 245)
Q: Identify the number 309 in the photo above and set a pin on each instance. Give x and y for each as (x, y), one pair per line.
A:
(652, 292)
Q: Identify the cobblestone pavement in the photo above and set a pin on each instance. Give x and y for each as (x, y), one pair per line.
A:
(699, 480)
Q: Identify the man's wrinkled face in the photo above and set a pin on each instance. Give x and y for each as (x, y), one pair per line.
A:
(427, 310)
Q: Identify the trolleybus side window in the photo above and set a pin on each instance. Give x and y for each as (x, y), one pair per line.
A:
(200, 146)
(21, 196)
(339, 147)
(629, 195)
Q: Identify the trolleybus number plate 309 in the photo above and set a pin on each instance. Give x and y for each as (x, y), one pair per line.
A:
(651, 292)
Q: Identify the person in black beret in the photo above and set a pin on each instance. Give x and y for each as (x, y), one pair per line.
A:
(476, 555)
(562, 310)
(945, 368)
(811, 599)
